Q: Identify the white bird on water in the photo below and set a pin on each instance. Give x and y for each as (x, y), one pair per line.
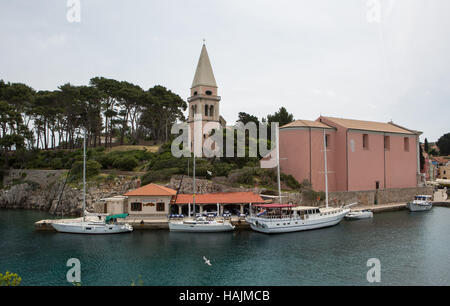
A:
(207, 261)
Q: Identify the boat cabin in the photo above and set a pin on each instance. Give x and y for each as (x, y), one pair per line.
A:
(422, 198)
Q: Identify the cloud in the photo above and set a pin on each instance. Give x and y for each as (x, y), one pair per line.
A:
(310, 56)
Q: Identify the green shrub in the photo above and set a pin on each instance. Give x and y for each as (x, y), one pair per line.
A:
(105, 160)
(222, 169)
(56, 163)
(127, 163)
(158, 175)
(246, 178)
(92, 169)
(10, 279)
(290, 181)
(166, 160)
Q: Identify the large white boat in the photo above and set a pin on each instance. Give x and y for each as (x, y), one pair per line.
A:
(92, 227)
(420, 203)
(285, 218)
(201, 225)
(106, 225)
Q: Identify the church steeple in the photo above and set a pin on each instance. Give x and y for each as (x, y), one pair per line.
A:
(204, 99)
(204, 102)
(204, 75)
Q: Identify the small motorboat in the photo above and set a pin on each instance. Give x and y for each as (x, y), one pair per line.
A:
(201, 225)
(361, 214)
(420, 203)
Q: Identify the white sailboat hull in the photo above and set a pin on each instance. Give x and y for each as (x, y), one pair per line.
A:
(419, 206)
(200, 228)
(92, 228)
(287, 225)
(358, 215)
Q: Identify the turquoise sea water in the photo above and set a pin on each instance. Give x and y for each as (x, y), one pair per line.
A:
(414, 249)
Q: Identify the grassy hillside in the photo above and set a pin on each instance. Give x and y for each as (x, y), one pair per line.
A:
(152, 163)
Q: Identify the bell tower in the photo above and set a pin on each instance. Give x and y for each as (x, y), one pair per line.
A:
(204, 101)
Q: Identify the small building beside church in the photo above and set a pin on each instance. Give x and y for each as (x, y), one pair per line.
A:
(151, 200)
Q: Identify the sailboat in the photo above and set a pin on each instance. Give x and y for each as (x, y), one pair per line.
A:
(285, 218)
(200, 224)
(93, 224)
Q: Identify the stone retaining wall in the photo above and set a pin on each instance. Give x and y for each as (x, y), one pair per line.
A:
(385, 196)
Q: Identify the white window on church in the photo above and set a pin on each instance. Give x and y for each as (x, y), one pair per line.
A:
(211, 110)
(206, 110)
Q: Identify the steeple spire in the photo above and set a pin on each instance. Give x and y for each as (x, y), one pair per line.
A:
(204, 75)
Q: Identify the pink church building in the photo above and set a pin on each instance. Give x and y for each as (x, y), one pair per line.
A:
(361, 155)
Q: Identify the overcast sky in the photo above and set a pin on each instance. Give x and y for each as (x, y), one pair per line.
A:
(313, 57)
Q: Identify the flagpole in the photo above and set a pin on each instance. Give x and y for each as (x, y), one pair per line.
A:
(278, 161)
(84, 175)
(326, 170)
(193, 183)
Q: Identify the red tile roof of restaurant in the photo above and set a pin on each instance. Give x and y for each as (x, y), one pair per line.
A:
(152, 190)
(221, 198)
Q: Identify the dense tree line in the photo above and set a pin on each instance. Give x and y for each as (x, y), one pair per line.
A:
(106, 109)
(444, 144)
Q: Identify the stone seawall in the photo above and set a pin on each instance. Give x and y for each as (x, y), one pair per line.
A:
(385, 196)
(363, 198)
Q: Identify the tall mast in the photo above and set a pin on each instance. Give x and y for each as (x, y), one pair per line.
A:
(193, 172)
(84, 175)
(278, 161)
(326, 170)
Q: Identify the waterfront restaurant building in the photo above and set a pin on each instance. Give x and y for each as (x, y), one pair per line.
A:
(361, 155)
(154, 200)
(231, 201)
(150, 200)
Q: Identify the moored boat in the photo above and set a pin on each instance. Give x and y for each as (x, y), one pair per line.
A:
(420, 203)
(201, 225)
(92, 227)
(108, 225)
(285, 218)
(358, 215)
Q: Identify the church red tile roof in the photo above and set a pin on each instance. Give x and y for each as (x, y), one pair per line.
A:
(152, 190)
(369, 125)
(221, 198)
(306, 123)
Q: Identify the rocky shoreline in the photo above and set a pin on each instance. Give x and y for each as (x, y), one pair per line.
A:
(41, 190)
